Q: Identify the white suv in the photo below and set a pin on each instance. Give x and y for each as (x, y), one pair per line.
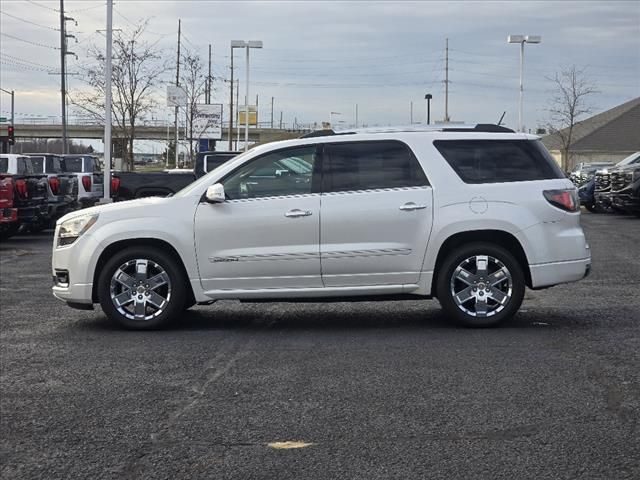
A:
(470, 215)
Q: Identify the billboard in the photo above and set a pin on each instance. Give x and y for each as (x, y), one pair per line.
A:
(253, 115)
(176, 96)
(207, 121)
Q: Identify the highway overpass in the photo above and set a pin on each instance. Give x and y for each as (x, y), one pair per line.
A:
(154, 131)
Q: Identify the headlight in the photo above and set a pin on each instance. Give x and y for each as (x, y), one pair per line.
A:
(72, 229)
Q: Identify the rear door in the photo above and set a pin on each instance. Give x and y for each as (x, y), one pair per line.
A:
(376, 214)
(93, 165)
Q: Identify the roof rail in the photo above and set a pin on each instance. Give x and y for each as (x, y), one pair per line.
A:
(480, 127)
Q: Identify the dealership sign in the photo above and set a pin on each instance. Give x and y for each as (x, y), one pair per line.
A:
(207, 121)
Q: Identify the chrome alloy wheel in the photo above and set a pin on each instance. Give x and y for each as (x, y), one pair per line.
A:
(140, 289)
(481, 286)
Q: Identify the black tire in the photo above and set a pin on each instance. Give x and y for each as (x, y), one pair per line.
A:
(173, 292)
(510, 287)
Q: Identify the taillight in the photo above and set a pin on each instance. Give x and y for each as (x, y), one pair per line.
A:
(86, 183)
(564, 199)
(115, 185)
(54, 183)
(21, 188)
(6, 186)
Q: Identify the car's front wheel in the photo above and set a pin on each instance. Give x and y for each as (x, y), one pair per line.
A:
(480, 285)
(142, 288)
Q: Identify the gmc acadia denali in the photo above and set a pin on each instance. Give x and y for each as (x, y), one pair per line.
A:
(469, 215)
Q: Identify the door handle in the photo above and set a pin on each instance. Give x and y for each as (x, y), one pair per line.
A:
(410, 206)
(296, 212)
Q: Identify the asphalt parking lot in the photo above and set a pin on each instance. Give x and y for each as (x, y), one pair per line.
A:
(382, 390)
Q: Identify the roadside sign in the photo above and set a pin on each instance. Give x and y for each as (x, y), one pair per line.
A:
(176, 96)
(207, 121)
(253, 115)
(3, 119)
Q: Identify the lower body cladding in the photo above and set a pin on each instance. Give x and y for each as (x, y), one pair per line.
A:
(33, 214)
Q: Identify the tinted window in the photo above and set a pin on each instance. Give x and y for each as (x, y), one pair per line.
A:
(369, 165)
(37, 163)
(497, 161)
(287, 172)
(73, 164)
(96, 165)
(4, 165)
(25, 167)
(54, 165)
(214, 161)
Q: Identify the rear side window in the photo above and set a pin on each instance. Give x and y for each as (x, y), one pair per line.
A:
(355, 166)
(4, 165)
(73, 164)
(25, 167)
(54, 165)
(499, 161)
(37, 163)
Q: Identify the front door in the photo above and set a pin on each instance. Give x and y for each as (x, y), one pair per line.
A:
(376, 214)
(266, 234)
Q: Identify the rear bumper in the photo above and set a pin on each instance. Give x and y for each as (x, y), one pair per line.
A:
(549, 274)
(8, 215)
(32, 214)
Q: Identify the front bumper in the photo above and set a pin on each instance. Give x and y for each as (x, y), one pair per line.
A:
(78, 261)
(626, 202)
(603, 199)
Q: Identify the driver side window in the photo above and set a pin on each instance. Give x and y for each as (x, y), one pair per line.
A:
(286, 172)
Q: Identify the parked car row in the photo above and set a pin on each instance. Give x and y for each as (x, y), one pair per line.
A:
(37, 189)
(610, 187)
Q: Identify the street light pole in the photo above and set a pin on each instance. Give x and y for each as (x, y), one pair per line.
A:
(107, 108)
(247, 45)
(428, 98)
(12, 93)
(522, 39)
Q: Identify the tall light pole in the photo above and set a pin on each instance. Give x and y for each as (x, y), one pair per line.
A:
(247, 46)
(428, 98)
(522, 39)
(107, 107)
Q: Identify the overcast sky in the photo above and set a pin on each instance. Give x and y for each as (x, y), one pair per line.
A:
(328, 56)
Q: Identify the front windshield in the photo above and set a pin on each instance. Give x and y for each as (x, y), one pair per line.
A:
(207, 179)
(631, 159)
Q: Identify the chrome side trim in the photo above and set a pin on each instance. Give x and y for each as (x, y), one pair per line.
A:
(312, 255)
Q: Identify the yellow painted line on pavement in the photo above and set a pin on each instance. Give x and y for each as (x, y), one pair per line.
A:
(289, 445)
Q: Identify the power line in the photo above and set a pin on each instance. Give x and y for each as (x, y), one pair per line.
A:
(29, 21)
(87, 8)
(42, 6)
(29, 42)
(18, 59)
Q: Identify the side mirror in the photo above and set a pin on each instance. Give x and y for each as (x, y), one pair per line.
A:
(215, 194)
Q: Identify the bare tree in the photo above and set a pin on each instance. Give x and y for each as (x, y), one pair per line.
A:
(193, 82)
(137, 70)
(568, 105)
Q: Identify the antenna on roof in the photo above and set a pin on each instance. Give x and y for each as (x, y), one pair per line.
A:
(501, 118)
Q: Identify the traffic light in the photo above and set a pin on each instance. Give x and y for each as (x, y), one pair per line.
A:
(11, 135)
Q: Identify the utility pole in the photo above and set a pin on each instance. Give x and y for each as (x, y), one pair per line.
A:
(411, 114)
(63, 74)
(238, 112)
(231, 106)
(271, 112)
(177, 85)
(257, 111)
(446, 82)
(356, 115)
(208, 95)
(280, 119)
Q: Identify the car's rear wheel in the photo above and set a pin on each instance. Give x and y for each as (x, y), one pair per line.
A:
(480, 285)
(142, 288)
